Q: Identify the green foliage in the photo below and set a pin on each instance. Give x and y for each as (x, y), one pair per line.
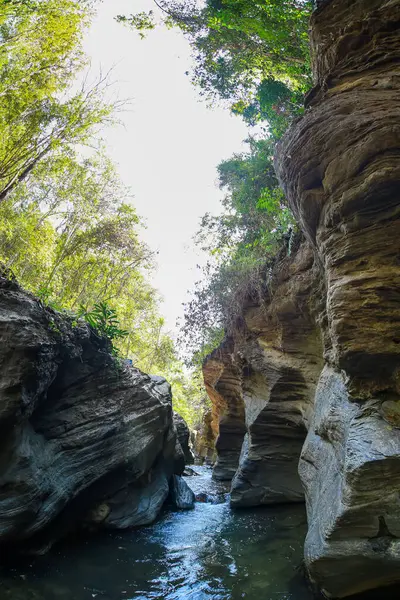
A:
(142, 22)
(40, 57)
(68, 229)
(255, 215)
(104, 321)
(242, 243)
(189, 397)
(250, 53)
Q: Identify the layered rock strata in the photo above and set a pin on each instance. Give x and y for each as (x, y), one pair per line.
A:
(84, 442)
(222, 378)
(340, 168)
(281, 353)
(276, 358)
(317, 360)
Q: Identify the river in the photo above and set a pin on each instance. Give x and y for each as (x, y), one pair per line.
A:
(211, 552)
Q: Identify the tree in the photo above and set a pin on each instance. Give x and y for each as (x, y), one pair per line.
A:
(70, 235)
(242, 243)
(251, 53)
(40, 57)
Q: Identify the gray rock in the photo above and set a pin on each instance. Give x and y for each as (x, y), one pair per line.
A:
(350, 469)
(267, 471)
(134, 505)
(183, 433)
(83, 440)
(181, 495)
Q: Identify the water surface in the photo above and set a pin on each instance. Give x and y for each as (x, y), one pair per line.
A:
(211, 552)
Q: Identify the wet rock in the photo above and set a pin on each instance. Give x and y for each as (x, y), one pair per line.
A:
(83, 440)
(201, 497)
(183, 433)
(188, 472)
(134, 505)
(181, 495)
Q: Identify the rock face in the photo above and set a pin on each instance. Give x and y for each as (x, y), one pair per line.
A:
(84, 442)
(203, 441)
(340, 168)
(281, 363)
(180, 494)
(272, 366)
(183, 434)
(314, 366)
(222, 379)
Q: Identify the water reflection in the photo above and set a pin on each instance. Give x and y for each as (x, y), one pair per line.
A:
(209, 553)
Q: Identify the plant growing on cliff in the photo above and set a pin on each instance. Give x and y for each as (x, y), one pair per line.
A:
(242, 244)
(104, 320)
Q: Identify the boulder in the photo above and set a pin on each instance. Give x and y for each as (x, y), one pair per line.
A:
(181, 496)
(85, 441)
(183, 433)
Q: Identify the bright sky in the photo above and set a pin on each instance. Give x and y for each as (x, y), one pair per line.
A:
(170, 144)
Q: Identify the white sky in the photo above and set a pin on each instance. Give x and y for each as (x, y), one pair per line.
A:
(170, 145)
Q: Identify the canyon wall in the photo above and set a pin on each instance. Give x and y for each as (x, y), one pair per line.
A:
(317, 363)
(85, 442)
(262, 382)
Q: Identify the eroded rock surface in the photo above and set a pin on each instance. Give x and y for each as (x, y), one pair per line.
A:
(340, 168)
(84, 442)
(350, 470)
(329, 319)
(276, 358)
(181, 496)
(222, 378)
(281, 351)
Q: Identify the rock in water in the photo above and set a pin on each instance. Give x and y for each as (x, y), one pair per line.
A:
(181, 495)
(183, 433)
(83, 440)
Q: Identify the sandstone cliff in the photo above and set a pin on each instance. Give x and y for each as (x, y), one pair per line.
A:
(84, 442)
(317, 364)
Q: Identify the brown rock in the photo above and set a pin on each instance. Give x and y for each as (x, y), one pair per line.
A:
(222, 378)
(340, 168)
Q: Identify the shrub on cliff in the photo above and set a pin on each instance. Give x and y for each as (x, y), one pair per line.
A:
(242, 244)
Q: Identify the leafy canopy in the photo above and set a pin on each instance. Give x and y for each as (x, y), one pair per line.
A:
(251, 53)
(68, 228)
(40, 58)
(240, 243)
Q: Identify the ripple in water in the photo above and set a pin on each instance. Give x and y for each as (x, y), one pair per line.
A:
(211, 552)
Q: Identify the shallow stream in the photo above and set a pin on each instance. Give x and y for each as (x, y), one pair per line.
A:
(211, 552)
